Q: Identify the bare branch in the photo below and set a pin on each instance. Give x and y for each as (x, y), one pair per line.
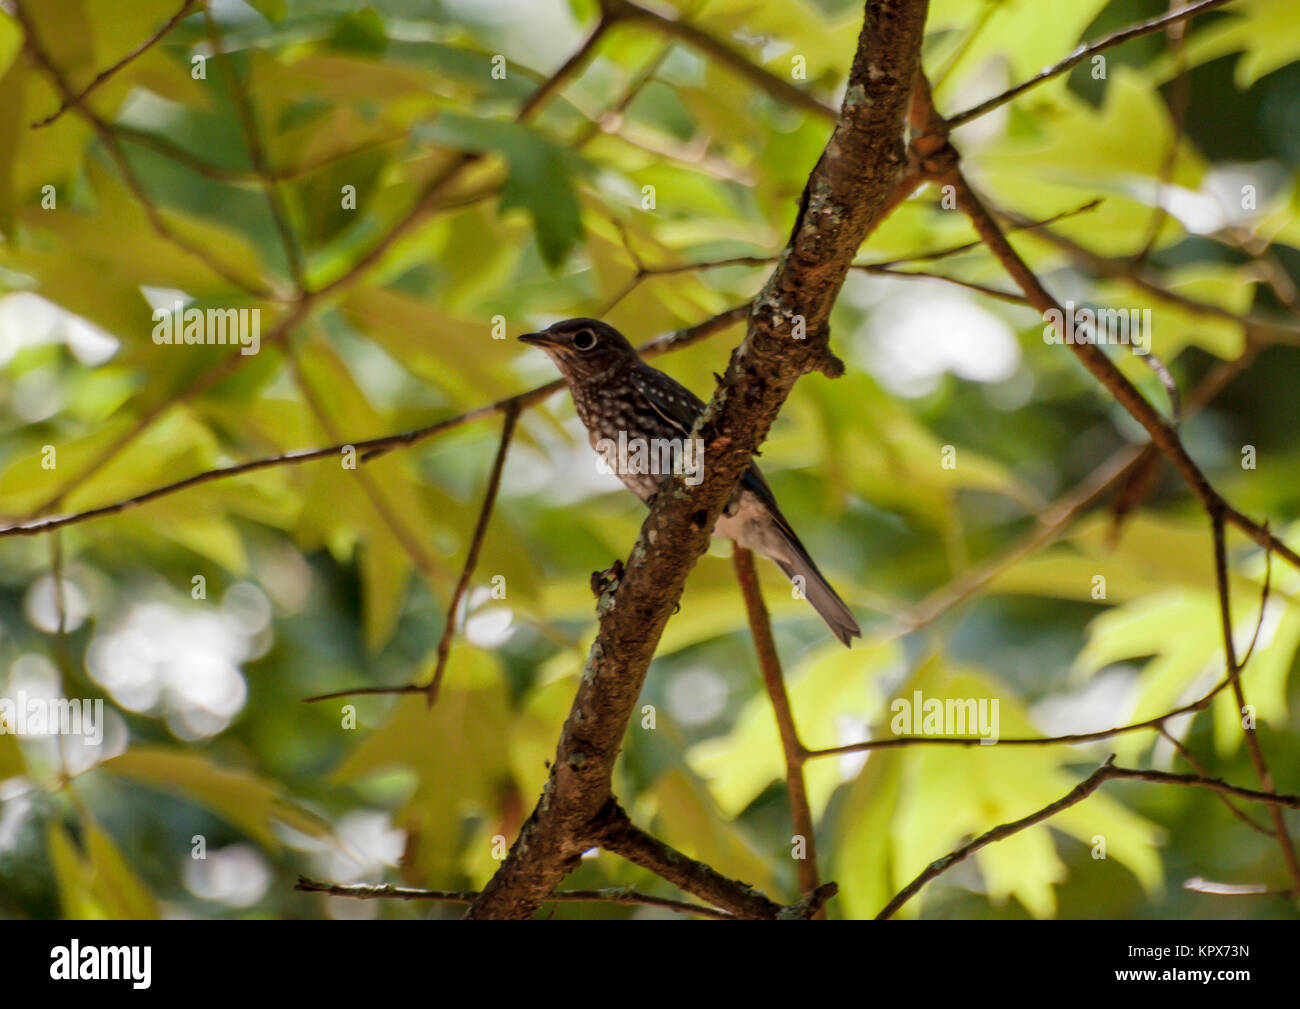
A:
(943, 168)
(1057, 517)
(608, 895)
(851, 186)
(1198, 885)
(1068, 739)
(471, 556)
(405, 688)
(1082, 53)
(760, 627)
(1273, 800)
(76, 99)
(1264, 330)
(1186, 753)
(369, 448)
(1238, 692)
(114, 148)
(614, 832)
(1076, 795)
(775, 87)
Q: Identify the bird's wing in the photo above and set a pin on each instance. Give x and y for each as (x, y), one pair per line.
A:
(667, 397)
(679, 407)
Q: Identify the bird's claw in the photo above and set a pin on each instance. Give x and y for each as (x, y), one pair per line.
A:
(607, 580)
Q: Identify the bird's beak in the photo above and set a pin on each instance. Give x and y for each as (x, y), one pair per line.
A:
(543, 340)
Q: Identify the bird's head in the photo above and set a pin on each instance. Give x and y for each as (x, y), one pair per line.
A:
(582, 348)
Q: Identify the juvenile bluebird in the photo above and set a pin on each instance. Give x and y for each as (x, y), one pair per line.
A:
(617, 394)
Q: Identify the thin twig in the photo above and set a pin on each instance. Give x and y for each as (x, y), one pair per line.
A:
(1082, 53)
(1234, 676)
(475, 545)
(613, 831)
(1200, 769)
(1076, 795)
(1266, 330)
(945, 170)
(760, 627)
(372, 447)
(608, 895)
(114, 148)
(1052, 521)
(886, 268)
(69, 101)
(1157, 722)
(257, 152)
(1179, 94)
(405, 688)
(776, 87)
(471, 560)
(1198, 885)
(1274, 800)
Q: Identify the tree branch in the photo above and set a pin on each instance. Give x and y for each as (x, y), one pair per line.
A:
(1082, 53)
(608, 895)
(1185, 752)
(760, 626)
(775, 87)
(1265, 330)
(614, 832)
(105, 133)
(943, 169)
(76, 99)
(369, 448)
(471, 556)
(1238, 692)
(1076, 795)
(850, 185)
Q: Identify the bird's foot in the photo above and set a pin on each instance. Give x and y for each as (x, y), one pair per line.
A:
(607, 580)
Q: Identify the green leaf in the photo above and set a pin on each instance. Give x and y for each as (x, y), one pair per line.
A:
(246, 800)
(11, 41)
(920, 803)
(98, 885)
(272, 10)
(539, 175)
(1265, 32)
(830, 685)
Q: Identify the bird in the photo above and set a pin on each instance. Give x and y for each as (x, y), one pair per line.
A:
(622, 401)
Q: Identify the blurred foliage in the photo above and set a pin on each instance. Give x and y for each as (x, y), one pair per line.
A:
(205, 617)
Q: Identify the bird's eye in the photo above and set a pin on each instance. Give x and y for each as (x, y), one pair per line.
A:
(584, 339)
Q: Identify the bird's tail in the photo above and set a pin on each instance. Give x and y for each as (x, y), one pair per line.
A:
(803, 572)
